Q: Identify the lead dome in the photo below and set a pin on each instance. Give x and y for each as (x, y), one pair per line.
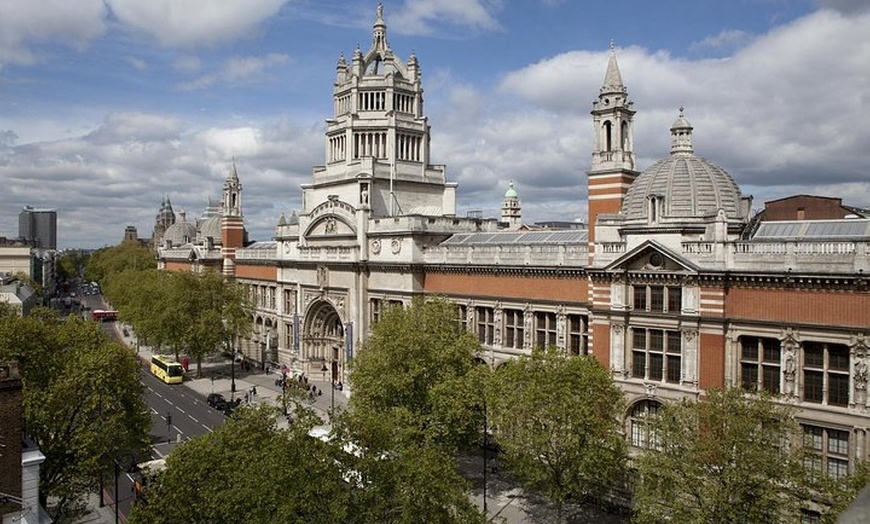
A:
(683, 185)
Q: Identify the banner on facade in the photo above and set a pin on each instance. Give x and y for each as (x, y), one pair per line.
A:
(348, 342)
(296, 333)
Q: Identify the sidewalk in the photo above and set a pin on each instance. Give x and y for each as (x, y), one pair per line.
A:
(217, 377)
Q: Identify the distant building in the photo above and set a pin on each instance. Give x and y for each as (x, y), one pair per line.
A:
(809, 207)
(38, 227)
(17, 293)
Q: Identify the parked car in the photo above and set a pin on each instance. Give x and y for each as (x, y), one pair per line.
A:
(216, 400)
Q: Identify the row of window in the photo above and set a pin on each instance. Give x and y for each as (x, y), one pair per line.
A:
(513, 326)
(657, 298)
(828, 447)
(262, 296)
(818, 372)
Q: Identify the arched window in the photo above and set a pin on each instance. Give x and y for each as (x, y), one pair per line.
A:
(642, 416)
(608, 136)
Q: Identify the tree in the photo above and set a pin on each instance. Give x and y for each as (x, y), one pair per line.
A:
(249, 471)
(557, 421)
(196, 313)
(413, 367)
(726, 458)
(82, 402)
(108, 261)
(70, 263)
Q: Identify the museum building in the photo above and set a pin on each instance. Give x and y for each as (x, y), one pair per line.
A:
(675, 286)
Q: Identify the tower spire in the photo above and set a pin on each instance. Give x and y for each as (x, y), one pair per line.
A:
(612, 78)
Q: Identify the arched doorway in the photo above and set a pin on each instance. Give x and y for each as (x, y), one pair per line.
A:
(323, 340)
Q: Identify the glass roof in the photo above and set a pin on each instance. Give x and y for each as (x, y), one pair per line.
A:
(815, 230)
(519, 237)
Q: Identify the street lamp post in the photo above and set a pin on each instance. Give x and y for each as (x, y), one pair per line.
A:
(332, 390)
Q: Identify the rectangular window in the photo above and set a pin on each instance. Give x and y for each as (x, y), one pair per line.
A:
(485, 324)
(514, 332)
(826, 370)
(656, 298)
(288, 335)
(640, 298)
(675, 299)
(656, 355)
(828, 450)
(578, 335)
(760, 363)
(272, 293)
(461, 312)
(375, 310)
(545, 329)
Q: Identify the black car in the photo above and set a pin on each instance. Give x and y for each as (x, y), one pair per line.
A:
(216, 400)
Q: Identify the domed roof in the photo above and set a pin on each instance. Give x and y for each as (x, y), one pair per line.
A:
(181, 232)
(211, 227)
(685, 185)
(511, 192)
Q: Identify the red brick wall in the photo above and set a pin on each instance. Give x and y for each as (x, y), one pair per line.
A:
(804, 207)
(10, 434)
(601, 344)
(799, 306)
(178, 266)
(520, 287)
(269, 273)
(712, 360)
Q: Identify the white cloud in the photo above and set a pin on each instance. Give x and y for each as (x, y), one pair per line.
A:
(236, 70)
(727, 39)
(25, 24)
(418, 16)
(187, 64)
(137, 63)
(194, 22)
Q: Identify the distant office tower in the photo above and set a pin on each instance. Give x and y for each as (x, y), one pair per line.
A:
(38, 227)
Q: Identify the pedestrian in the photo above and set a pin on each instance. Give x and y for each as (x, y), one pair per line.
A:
(246, 397)
(254, 391)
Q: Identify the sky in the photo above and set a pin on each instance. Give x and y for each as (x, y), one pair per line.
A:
(108, 106)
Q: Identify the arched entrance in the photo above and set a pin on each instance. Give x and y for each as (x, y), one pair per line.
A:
(323, 340)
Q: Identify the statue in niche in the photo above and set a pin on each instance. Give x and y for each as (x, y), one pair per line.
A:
(789, 368)
(861, 382)
(322, 277)
(364, 195)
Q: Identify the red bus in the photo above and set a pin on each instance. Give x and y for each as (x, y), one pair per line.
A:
(105, 315)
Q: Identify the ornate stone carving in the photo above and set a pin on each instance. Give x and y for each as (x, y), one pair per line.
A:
(330, 226)
(690, 334)
(789, 370)
(618, 328)
(376, 246)
(395, 246)
(859, 350)
(497, 321)
(651, 388)
(322, 276)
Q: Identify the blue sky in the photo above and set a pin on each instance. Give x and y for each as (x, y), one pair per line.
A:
(107, 106)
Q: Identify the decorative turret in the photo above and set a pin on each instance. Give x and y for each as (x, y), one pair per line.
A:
(613, 169)
(681, 137)
(233, 234)
(511, 212)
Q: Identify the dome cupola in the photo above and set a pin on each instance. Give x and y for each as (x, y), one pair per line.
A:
(682, 186)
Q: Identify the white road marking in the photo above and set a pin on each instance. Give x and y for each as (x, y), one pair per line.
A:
(191, 418)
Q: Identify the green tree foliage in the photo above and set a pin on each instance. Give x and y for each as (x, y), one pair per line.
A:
(727, 458)
(249, 471)
(414, 367)
(198, 314)
(82, 402)
(69, 263)
(108, 261)
(557, 421)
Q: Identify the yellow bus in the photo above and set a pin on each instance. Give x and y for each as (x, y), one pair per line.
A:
(166, 369)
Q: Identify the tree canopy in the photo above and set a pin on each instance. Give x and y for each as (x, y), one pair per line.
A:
(195, 313)
(82, 402)
(727, 458)
(251, 471)
(415, 367)
(105, 262)
(556, 419)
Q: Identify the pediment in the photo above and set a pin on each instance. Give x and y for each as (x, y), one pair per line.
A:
(330, 226)
(653, 257)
